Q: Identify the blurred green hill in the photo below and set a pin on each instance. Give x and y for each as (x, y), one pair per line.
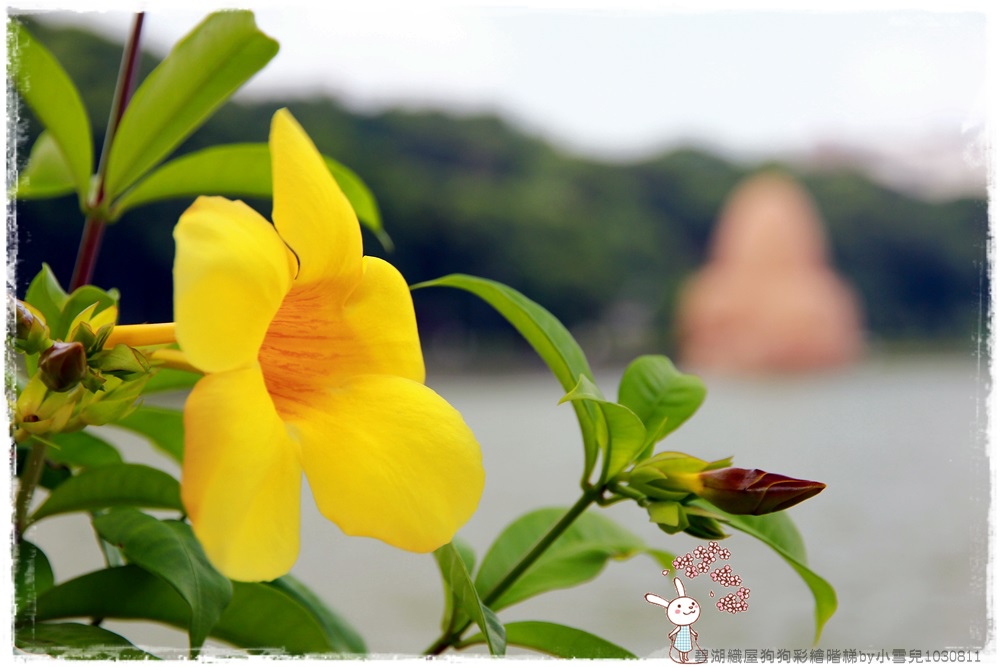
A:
(603, 245)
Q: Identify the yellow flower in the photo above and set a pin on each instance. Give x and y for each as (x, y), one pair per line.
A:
(313, 364)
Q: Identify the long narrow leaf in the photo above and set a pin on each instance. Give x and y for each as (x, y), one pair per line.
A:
(113, 486)
(76, 641)
(201, 72)
(32, 576)
(578, 555)
(47, 173)
(50, 93)
(82, 449)
(546, 334)
(559, 641)
(170, 550)
(341, 635)
(258, 616)
(239, 170)
(777, 531)
(459, 585)
(163, 427)
(622, 434)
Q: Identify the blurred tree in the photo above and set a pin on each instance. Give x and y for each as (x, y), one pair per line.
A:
(604, 246)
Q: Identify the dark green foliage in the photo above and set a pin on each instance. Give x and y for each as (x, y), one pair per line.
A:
(474, 195)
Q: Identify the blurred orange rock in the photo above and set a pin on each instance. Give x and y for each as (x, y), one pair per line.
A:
(768, 299)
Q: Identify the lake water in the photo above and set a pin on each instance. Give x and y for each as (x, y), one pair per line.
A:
(901, 530)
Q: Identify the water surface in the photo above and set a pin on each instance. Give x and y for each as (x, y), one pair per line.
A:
(901, 530)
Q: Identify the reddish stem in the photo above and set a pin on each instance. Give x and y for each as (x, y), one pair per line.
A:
(93, 230)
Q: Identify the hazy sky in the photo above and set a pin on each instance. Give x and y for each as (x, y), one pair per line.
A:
(628, 81)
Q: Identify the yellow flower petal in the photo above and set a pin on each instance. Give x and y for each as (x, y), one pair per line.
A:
(388, 458)
(310, 211)
(231, 272)
(241, 478)
(316, 343)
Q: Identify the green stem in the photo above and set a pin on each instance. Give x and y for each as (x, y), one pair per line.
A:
(93, 230)
(30, 477)
(585, 501)
(620, 493)
(589, 497)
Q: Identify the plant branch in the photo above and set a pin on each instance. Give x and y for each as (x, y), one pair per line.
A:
(452, 639)
(93, 230)
(585, 501)
(30, 477)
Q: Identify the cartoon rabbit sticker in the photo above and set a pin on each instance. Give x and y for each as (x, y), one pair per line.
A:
(682, 611)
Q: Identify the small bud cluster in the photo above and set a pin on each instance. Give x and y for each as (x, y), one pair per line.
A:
(736, 602)
(78, 381)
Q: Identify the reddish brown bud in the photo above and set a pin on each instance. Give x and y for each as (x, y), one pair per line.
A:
(32, 336)
(742, 491)
(63, 365)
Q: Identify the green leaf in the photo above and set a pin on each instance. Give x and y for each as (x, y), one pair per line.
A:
(53, 475)
(50, 93)
(576, 556)
(169, 379)
(465, 551)
(452, 615)
(170, 550)
(47, 296)
(82, 450)
(111, 486)
(779, 532)
(257, 616)
(342, 637)
(361, 198)
(621, 436)
(459, 587)
(164, 427)
(660, 395)
(78, 301)
(559, 641)
(239, 170)
(77, 641)
(201, 72)
(32, 576)
(46, 174)
(546, 334)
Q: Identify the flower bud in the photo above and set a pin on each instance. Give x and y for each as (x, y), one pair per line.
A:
(670, 475)
(32, 336)
(742, 491)
(63, 365)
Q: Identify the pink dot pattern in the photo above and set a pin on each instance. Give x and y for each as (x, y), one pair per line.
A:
(732, 603)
